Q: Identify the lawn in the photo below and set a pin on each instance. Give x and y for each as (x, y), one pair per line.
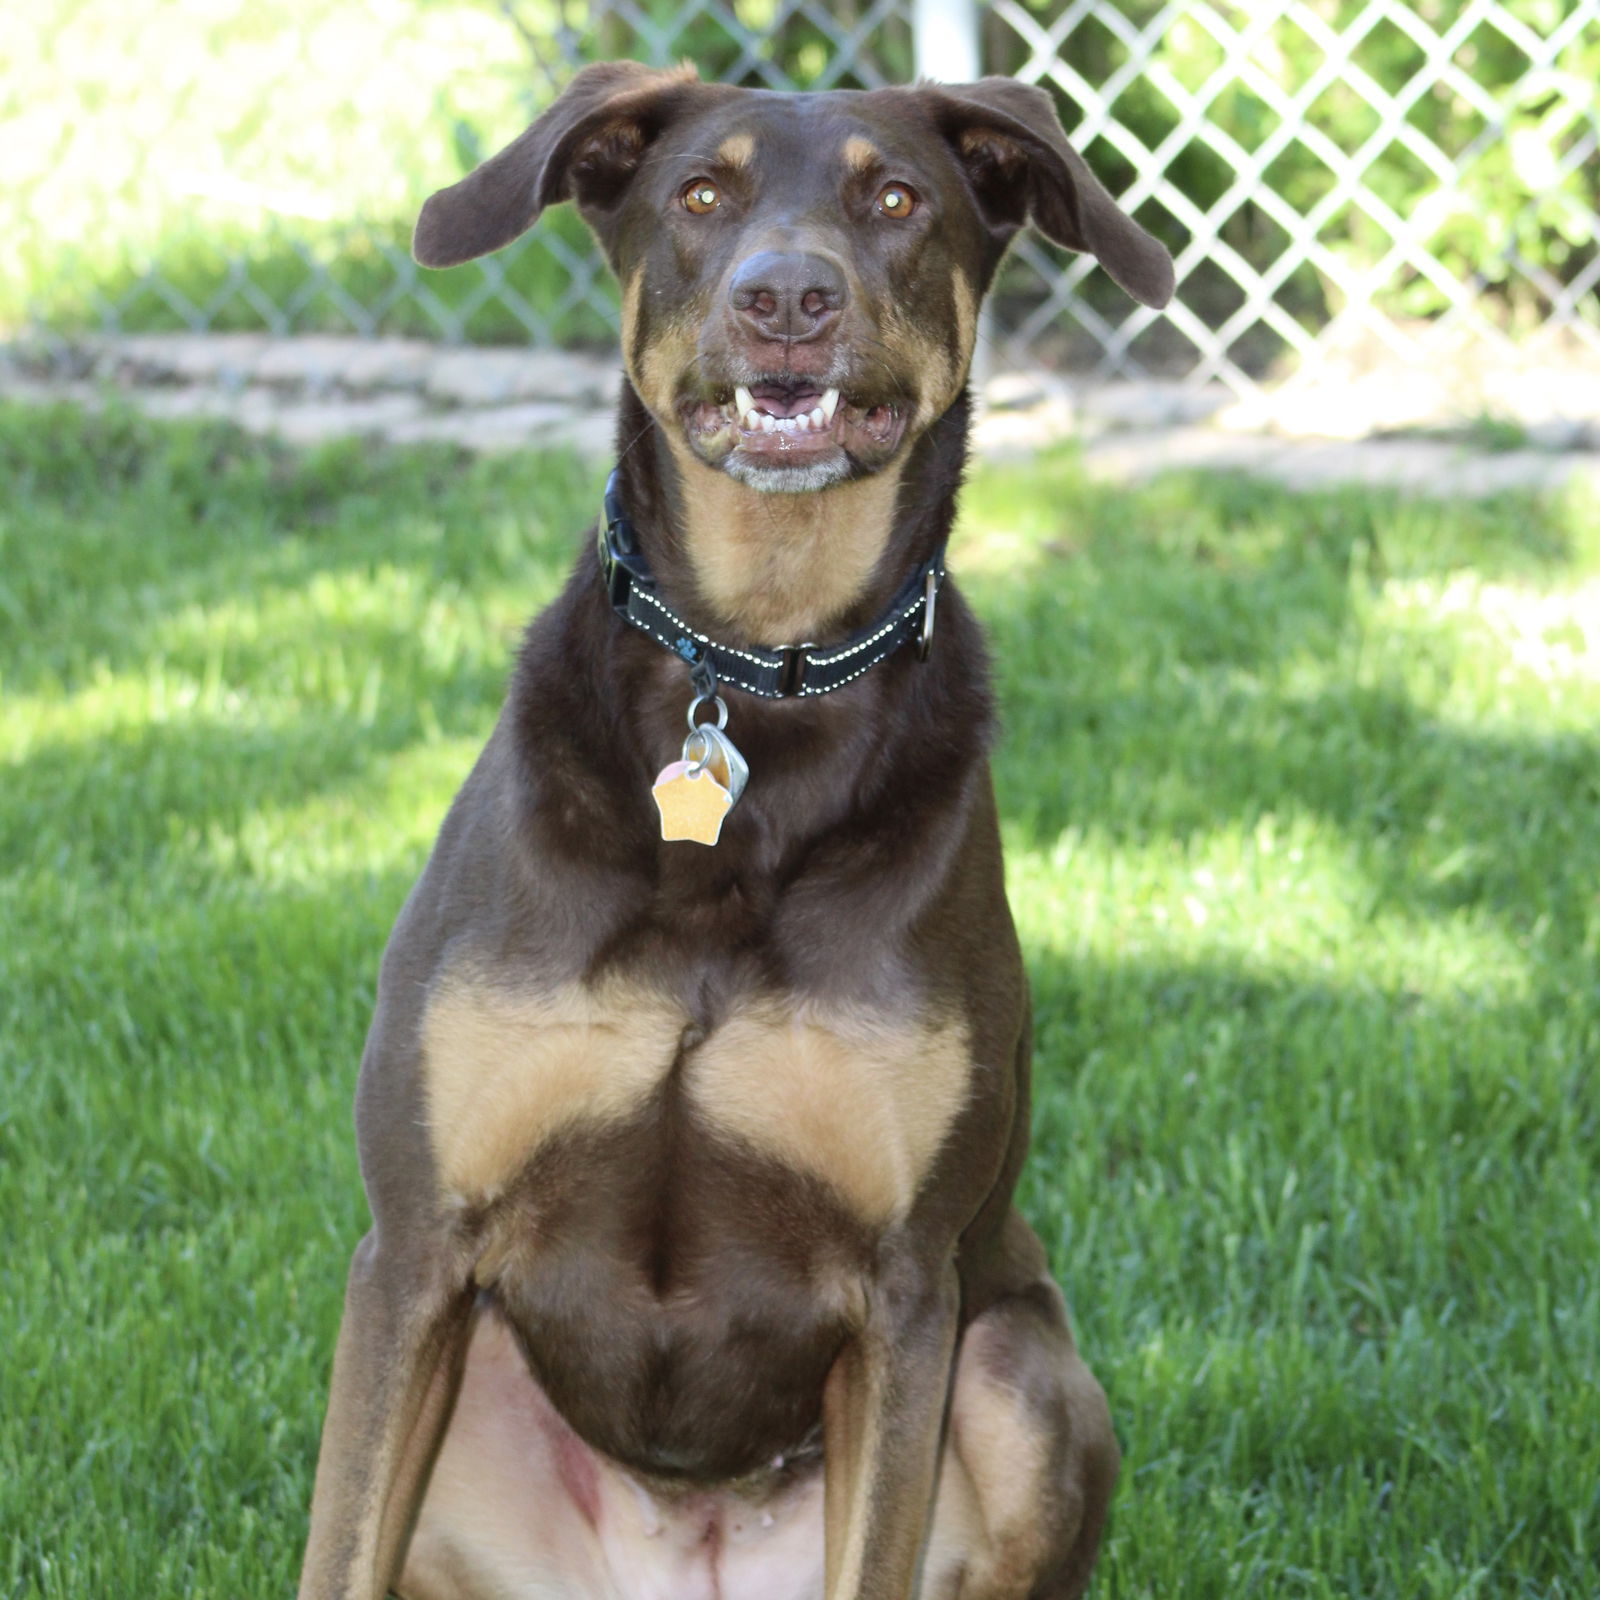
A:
(1302, 804)
(218, 164)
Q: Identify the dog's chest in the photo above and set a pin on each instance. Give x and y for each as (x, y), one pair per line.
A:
(861, 1100)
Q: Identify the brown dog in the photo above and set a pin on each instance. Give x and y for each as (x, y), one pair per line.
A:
(694, 1273)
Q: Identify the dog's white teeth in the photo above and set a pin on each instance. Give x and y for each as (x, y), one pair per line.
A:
(753, 420)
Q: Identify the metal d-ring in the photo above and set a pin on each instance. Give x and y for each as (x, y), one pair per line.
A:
(930, 599)
(722, 711)
(699, 763)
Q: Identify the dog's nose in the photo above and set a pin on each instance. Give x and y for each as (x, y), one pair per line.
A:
(790, 296)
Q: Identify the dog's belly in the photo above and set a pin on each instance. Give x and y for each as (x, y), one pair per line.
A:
(679, 1299)
(518, 1507)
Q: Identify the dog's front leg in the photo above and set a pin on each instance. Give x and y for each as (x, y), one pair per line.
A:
(398, 1361)
(883, 1414)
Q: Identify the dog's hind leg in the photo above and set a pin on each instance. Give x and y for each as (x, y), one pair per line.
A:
(400, 1349)
(881, 1409)
(1029, 1458)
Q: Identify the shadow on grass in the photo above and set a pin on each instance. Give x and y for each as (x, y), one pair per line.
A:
(124, 538)
(1211, 656)
(1441, 818)
(137, 794)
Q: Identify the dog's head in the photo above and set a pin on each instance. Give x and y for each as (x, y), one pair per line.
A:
(801, 272)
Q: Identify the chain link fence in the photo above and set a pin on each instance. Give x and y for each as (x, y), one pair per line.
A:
(1328, 173)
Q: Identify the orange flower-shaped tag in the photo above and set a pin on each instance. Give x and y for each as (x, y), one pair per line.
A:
(692, 804)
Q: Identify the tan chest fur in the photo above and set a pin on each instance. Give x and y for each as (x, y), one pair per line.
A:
(860, 1100)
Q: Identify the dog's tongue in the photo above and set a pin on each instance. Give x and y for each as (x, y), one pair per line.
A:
(777, 401)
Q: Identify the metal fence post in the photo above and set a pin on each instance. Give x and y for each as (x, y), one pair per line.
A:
(945, 40)
(946, 45)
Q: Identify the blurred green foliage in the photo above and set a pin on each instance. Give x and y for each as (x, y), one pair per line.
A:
(1483, 155)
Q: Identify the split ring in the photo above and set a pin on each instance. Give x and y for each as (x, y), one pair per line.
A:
(698, 701)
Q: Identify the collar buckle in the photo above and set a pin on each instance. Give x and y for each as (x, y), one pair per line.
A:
(794, 659)
(617, 542)
(930, 603)
(618, 580)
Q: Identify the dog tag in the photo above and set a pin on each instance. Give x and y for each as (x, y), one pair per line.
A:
(709, 747)
(691, 801)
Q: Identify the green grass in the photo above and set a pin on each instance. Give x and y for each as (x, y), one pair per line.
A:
(201, 162)
(1302, 804)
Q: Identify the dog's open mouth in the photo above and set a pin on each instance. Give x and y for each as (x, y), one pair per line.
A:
(779, 423)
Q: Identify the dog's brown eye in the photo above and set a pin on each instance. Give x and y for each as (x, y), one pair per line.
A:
(896, 200)
(701, 196)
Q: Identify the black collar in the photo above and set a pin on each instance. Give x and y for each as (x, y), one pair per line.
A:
(775, 672)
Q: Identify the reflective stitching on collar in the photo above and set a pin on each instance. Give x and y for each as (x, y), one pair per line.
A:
(776, 664)
(863, 644)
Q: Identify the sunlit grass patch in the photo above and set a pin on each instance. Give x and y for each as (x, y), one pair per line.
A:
(202, 163)
(1301, 800)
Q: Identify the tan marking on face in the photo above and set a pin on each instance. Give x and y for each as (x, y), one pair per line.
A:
(926, 361)
(966, 303)
(737, 150)
(862, 1102)
(782, 566)
(937, 365)
(860, 154)
(632, 298)
(655, 370)
(505, 1070)
(632, 295)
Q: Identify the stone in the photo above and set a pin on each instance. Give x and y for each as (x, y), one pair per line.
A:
(591, 435)
(223, 358)
(314, 362)
(1149, 403)
(390, 364)
(1134, 457)
(1560, 433)
(257, 410)
(1338, 408)
(1307, 434)
(21, 389)
(196, 401)
(1414, 466)
(311, 422)
(500, 377)
(488, 428)
(1022, 391)
(1012, 435)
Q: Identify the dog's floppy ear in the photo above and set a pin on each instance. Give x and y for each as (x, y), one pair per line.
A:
(585, 147)
(1016, 153)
